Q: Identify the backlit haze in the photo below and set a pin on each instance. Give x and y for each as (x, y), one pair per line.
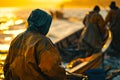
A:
(55, 3)
(14, 14)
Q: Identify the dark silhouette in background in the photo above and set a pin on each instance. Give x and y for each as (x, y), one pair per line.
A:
(113, 21)
(111, 14)
(94, 35)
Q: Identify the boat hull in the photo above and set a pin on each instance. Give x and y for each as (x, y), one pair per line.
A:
(91, 62)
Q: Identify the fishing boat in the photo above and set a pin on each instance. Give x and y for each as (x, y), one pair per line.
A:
(80, 65)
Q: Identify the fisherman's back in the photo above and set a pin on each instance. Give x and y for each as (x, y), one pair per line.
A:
(23, 64)
(111, 16)
(95, 29)
(32, 55)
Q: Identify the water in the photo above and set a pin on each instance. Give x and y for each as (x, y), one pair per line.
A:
(61, 28)
(112, 58)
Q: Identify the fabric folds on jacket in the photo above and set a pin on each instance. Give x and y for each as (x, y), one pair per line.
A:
(32, 55)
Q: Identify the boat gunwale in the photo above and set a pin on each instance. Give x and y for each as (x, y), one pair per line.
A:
(104, 48)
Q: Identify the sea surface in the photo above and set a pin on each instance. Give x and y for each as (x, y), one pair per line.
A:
(61, 28)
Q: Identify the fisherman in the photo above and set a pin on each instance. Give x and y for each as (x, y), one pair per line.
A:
(95, 32)
(113, 20)
(111, 14)
(32, 55)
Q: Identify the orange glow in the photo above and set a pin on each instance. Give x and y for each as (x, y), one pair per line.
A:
(54, 3)
(31, 3)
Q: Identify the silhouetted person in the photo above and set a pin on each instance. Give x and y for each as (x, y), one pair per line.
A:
(95, 18)
(111, 14)
(113, 20)
(94, 33)
(32, 55)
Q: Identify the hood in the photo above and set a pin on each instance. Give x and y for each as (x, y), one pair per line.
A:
(39, 21)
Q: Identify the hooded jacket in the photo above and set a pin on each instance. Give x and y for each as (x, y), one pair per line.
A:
(32, 56)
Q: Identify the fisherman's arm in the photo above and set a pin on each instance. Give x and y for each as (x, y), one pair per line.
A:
(108, 17)
(7, 64)
(101, 23)
(84, 20)
(49, 62)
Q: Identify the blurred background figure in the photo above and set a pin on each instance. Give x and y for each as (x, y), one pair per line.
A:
(112, 13)
(113, 21)
(95, 29)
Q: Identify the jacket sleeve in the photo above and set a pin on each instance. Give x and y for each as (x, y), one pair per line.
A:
(108, 17)
(49, 62)
(101, 23)
(84, 20)
(6, 66)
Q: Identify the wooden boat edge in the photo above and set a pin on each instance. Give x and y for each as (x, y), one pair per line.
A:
(106, 45)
